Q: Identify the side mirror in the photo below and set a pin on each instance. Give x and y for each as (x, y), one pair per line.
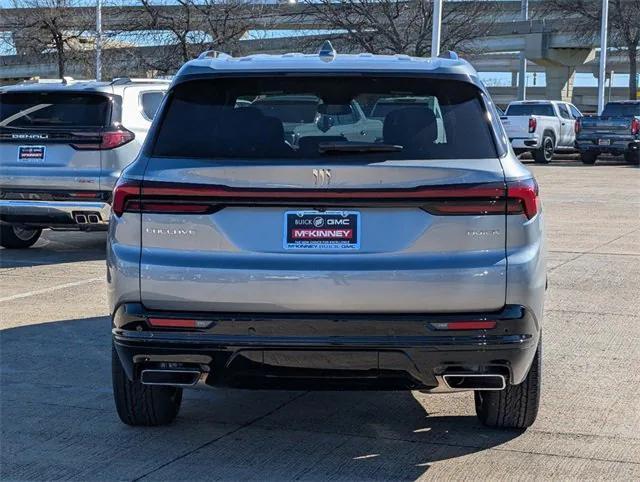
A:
(325, 122)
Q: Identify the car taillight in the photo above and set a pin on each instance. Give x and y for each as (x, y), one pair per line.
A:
(635, 126)
(126, 196)
(453, 200)
(107, 140)
(533, 123)
(577, 126)
(525, 195)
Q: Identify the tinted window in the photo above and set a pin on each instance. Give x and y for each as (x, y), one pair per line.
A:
(203, 119)
(384, 106)
(575, 112)
(530, 109)
(613, 109)
(298, 110)
(53, 110)
(150, 103)
(564, 112)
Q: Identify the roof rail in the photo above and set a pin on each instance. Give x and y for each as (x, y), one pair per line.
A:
(40, 80)
(214, 54)
(449, 54)
(129, 80)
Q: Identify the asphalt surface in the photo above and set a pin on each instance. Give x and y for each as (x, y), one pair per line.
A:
(58, 420)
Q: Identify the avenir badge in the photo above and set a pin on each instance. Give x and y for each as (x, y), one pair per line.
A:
(321, 230)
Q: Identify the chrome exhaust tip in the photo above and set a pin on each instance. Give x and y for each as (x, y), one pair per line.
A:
(80, 219)
(175, 378)
(93, 218)
(474, 381)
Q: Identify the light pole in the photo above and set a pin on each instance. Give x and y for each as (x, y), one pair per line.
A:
(99, 40)
(522, 84)
(437, 26)
(603, 55)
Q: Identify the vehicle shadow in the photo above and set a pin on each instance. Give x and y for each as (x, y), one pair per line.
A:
(573, 160)
(58, 420)
(57, 247)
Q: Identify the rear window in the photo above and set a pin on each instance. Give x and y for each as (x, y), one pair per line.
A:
(530, 109)
(275, 117)
(53, 110)
(622, 110)
(150, 103)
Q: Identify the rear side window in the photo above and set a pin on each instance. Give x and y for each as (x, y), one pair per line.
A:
(564, 112)
(296, 118)
(622, 110)
(40, 110)
(150, 103)
(530, 109)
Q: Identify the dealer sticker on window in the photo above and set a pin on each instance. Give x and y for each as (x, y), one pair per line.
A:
(321, 230)
(31, 153)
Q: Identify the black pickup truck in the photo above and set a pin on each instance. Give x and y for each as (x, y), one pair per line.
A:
(616, 131)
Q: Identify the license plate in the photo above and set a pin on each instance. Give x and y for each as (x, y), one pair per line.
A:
(31, 153)
(305, 230)
(604, 142)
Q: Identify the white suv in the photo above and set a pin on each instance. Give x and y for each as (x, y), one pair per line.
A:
(62, 147)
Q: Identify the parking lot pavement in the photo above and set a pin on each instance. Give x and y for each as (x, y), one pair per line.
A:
(58, 421)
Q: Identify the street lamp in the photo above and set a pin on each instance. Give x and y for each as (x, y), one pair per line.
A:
(437, 26)
(603, 55)
(99, 40)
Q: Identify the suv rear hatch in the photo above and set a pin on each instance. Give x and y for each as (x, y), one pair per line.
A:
(51, 140)
(234, 219)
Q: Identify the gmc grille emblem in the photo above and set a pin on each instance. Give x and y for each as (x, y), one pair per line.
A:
(322, 177)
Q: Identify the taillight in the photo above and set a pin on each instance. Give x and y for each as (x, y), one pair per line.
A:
(533, 123)
(107, 140)
(126, 196)
(577, 126)
(635, 126)
(464, 325)
(177, 323)
(525, 195)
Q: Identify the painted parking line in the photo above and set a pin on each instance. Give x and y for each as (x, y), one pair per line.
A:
(52, 288)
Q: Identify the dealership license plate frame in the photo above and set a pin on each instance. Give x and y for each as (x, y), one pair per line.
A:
(32, 153)
(322, 243)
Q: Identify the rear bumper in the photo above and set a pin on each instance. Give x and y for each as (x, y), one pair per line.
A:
(523, 143)
(57, 214)
(617, 146)
(310, 351)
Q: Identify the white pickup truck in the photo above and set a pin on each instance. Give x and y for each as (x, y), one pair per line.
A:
(541, 127)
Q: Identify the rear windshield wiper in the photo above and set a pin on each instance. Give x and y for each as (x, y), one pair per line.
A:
(338, 147)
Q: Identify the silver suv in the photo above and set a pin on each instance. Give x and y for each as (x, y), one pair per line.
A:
(410, 257)
(62, 148)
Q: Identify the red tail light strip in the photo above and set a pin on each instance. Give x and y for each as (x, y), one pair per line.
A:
(479, 199)
(464, 325)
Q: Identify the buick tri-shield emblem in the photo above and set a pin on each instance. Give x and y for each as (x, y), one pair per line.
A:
(322, 177)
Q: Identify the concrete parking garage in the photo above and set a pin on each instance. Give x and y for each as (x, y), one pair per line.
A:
(58, 420)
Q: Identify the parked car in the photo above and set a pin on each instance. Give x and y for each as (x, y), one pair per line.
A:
(541, 127)
(236, 259)
(616, 131)
(62, 148)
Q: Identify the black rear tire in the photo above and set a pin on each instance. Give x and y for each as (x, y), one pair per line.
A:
(18, 237)
(517, 405)
(142, 405)
(544, 155)
(632, 157)
(588, 158)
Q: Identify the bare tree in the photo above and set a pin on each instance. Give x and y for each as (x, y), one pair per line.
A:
(624, 27)
(187, 27)
(400, 26)
(46, 26)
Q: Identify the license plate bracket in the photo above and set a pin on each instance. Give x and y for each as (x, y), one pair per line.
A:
(321, 230)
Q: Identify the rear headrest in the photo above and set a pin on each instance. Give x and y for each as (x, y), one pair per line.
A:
(413, 127)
